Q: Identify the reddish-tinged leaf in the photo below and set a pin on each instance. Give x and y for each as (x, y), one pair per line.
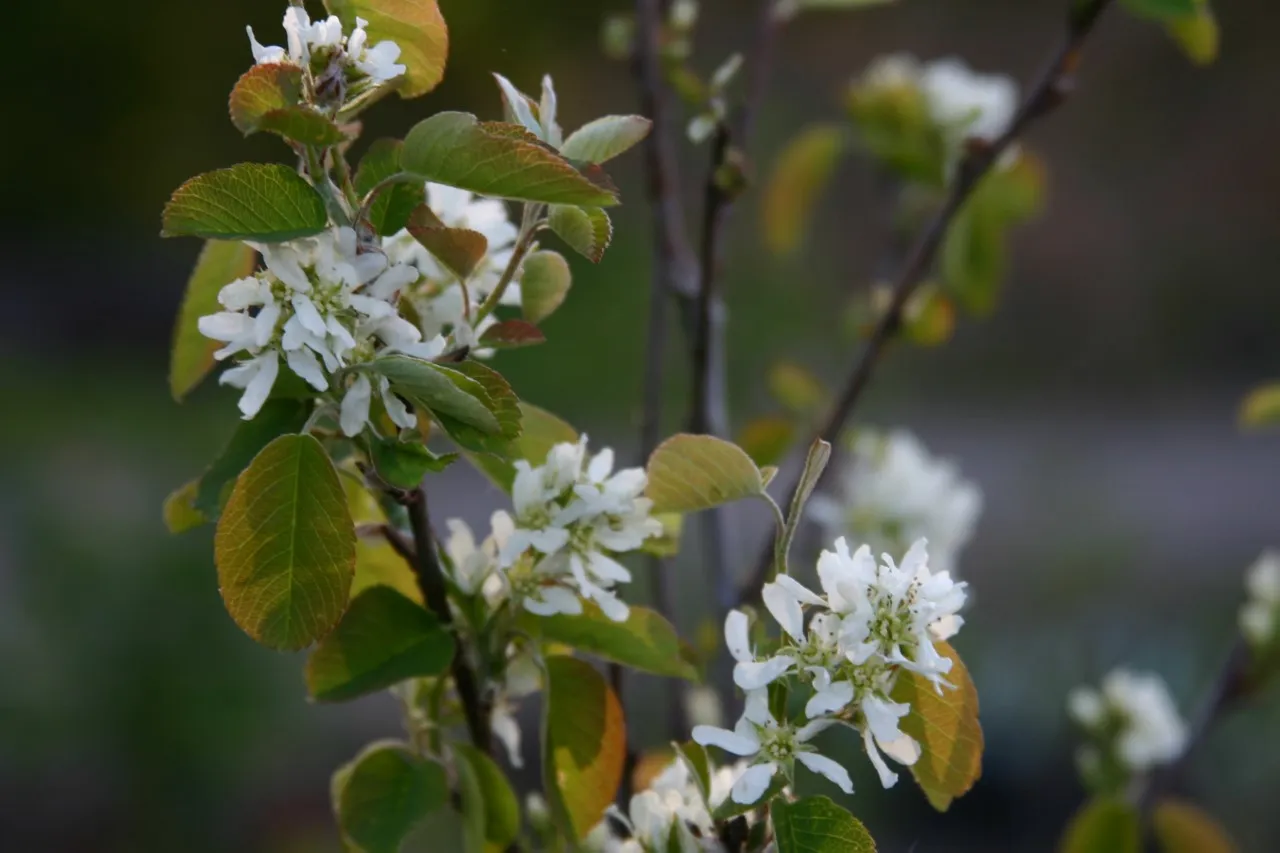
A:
(459, 249)
(511, 334)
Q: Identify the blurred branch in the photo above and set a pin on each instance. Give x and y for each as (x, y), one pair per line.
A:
(1048, 92)
(1234, 683)
(725, 180)
(430, 576)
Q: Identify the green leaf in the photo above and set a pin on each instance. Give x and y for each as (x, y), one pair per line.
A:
(796, 388)
(695, 757)
(459, 249)
(688, 473)
(496, 801)
(973, 259)
(381, 795)
(277, 417)
(801, 172)
(415, 25)
(646, 641)
(540, 431)
(445, 391)
(817, 825)
(1103, 824)
(262, 90)
(814, 464)
(1183, 827)
(1198, 35)
(512, 334)
(1160, 9)
(500, 160)
(587, 230)
(605, 138)
(180, 513)
(946, 727)
(544, 282)
(585, 744)
(500, 400)
(767, 439)
(303, 125)
(1262, 407)
(191, 358)
(285, 546)
(391, 210)
(403, 464)
(251, 201)
(383, 639)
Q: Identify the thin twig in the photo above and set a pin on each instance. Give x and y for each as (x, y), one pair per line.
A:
(524, 242)
(430, 576)
(1232, 685)
(709, 398)
(1047, 93)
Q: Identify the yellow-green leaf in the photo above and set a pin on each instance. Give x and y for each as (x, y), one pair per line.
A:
(415, 25)
(383, 639)
(587, 230)
(801, 172)
(1183, 827)
(1198, 35)
(252, 201)
(688, 473)
(1103, 824)
(191, 358)
(796, 388)
(585, 744)
(646, 641)
(180, 513)
(1262, 407)
(817, 825)
(500, 400)
(285, 546)
(381, 795)
(605, 138)
(545, 280)
(495, 799)
(947, 729)
(501, 160)
(540, 431)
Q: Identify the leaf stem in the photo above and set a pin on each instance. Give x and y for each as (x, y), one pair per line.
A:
(1048, 92)
(320, 180)
(431, 582)
(524, 242)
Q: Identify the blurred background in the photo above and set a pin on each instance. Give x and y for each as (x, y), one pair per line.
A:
(1096, 408)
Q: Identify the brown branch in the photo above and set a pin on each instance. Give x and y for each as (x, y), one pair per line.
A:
(430, 577)
(1046, 94)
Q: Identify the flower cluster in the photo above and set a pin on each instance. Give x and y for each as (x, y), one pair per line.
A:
(321, 43)
(961, 101)
(320, 305)
(1261, 613)
(874, 621)
(572, 515)
(672, 806)
(440, 298)
(1132, 722)
(893, 492)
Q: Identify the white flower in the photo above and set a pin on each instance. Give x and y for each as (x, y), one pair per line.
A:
(894, 492)
(522, 678)
(1259, 615)
(378, 63)
(770, 746)
(571, 517)
(1137, 712)
(439, 298)
(671, 802)
(980, 105)
(310, 307)
(748, 673)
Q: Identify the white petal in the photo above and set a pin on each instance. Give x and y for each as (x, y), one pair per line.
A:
(733, 742)
(757, 709)
(903, 750)
(396, 409)
(737, 637)
(824, 766)
(225, 325)
(813, 728)
(800, 591)
(607, 568)
(308, 315)
(887, 777)
(785, 609)
(752, 784)
(751, 675)
(883, 716)
(259, 388)
(355, 406)
(552, 600)
(507, 730)
(829, 700)
(304, 363)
